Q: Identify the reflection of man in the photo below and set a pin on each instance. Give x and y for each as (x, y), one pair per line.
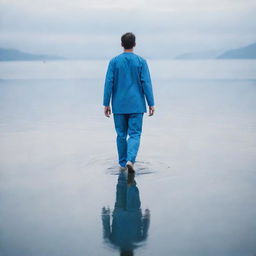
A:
(128, 83)
(129, 226)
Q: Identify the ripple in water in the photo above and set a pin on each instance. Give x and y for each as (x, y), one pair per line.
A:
(141, 168)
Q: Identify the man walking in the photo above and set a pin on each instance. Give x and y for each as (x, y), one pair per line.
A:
(128, 83)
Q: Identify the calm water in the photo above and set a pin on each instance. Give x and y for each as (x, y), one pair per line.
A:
(61, 193)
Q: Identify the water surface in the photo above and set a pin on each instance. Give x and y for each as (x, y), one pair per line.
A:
(194, 190)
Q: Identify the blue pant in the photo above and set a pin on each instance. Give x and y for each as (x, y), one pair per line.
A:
(128, 124)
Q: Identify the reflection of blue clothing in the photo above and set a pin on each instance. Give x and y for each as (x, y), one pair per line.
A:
(128, 124)
(133, 198)
(127, 221)
(126, 228)
(129, 226)
(121, 191)
(128, 82)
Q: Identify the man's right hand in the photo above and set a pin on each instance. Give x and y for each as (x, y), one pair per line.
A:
(107, 111)
(151, 110)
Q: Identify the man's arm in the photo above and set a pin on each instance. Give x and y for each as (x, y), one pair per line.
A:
(105, 217)
(147, 87)
(109, 80)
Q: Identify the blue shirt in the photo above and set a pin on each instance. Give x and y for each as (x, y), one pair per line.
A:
(128, 83)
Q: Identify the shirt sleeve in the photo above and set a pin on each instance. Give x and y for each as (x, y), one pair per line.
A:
(109, 80)
(146, 84)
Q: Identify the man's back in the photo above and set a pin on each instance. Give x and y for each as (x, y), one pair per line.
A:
(128, 82)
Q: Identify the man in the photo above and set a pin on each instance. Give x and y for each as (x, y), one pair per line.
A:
(128, 83)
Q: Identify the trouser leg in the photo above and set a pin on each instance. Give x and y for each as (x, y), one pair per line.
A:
(121, 191)
(121, 126)
(134, 132)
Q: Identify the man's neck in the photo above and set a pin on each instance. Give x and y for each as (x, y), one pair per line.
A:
(128, 50)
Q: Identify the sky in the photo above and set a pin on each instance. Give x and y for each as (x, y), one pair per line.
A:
(93, 28)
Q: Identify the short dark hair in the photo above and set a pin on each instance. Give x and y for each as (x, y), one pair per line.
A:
(128, 40)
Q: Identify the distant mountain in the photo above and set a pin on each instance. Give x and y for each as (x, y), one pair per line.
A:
(247, 52)
(199, 55)
(15, 55)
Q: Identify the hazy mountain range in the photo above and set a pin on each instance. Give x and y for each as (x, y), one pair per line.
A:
(211, 54)
(247, 52)
(16, 55)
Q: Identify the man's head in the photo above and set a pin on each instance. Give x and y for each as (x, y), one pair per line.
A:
(128, 40)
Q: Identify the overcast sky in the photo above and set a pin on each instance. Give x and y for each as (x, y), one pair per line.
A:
(92, 28)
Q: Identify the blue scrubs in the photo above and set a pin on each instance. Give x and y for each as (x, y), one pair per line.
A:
(128, 124)
(127, 85)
